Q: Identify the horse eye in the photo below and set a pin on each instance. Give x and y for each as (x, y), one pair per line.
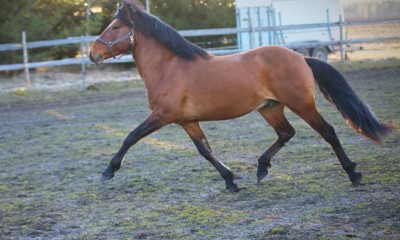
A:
(115, 27)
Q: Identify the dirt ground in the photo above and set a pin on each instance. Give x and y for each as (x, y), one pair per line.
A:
(55, 144)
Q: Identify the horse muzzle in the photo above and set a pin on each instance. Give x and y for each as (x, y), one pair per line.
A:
(97, 60)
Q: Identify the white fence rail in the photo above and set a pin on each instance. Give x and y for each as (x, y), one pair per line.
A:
(83, 40)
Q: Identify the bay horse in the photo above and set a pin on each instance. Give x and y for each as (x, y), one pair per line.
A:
(186, 85)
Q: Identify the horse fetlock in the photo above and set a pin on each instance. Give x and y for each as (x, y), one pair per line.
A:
(264, 165)
(228, 176)
(350, 168)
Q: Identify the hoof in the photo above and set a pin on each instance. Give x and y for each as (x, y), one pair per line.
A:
(232, 188)
(355, 178)
(230, 185)
(262, 171)
(105, 177)
(261, 176)
(108, 174)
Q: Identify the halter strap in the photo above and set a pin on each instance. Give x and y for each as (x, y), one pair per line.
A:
(110, 45)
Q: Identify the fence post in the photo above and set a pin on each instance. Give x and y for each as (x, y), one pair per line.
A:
(250, 28)
(26, 63)
(260, 40)
(239, 26)
(148, 6)
(83, 62)
(341, 38)
(269, 25)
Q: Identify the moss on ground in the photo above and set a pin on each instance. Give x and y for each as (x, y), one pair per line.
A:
(52, 155)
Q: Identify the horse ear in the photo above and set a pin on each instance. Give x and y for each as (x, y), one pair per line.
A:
(121, 4)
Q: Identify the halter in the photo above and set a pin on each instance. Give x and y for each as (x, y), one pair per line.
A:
(130, 35)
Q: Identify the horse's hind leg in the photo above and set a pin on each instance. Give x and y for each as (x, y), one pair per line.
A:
(197, 135)
(276, 118)
(315, 120)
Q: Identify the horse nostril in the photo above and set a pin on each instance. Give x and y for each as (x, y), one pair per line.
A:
(99, 58)
(95, 60)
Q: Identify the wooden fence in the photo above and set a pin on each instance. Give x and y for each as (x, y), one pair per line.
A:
(83, 40)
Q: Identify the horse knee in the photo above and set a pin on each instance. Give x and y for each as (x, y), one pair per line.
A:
(286, 136)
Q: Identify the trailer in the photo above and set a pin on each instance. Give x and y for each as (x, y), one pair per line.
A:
(258, 15)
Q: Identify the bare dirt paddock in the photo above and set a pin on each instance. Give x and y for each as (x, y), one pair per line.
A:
(54, 146)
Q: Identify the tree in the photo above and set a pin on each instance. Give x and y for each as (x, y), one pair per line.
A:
(187, 14)
(53, 19)
(198, 14)
(42, 20)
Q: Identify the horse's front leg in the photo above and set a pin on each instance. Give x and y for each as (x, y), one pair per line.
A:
(197, 135)
(152, 123)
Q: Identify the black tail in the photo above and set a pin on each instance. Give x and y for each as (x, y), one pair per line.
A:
(338, 91)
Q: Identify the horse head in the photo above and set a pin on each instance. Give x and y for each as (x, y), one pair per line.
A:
(117, 38)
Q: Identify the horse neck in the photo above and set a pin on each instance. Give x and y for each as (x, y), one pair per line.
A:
(150, 58)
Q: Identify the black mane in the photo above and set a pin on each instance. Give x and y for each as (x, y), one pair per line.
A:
(153, 27)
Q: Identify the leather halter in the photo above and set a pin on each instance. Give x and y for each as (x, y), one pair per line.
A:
(130, 35)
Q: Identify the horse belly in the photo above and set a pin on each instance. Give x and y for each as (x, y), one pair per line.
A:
(224, 104)
(227, 87)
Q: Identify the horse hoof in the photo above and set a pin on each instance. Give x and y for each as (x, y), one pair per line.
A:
(233, 188)
(108, 174)
(355, 178)
(261, 175)
(262, 170)
(105, 177)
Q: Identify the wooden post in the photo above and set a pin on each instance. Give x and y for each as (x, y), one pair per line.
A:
(26, 63)
(341, 39)
(88, 2)
(269, 25)
(260, 40)
(251, 33)
(239, 25)
(148, 6)
(83, 62)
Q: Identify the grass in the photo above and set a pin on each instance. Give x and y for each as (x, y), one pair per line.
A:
(54, 146)
(367, 65)
(111, 89)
